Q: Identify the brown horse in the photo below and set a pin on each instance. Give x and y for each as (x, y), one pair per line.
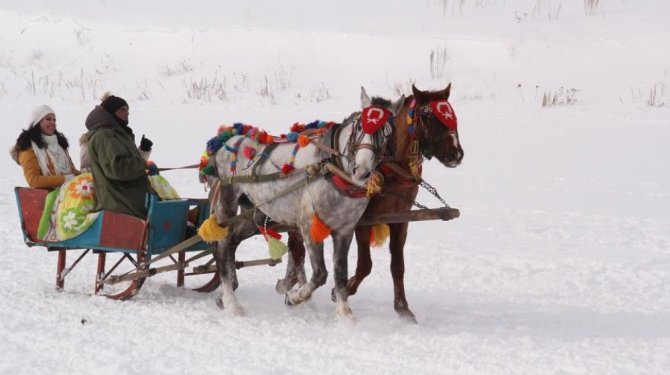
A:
(424, 127)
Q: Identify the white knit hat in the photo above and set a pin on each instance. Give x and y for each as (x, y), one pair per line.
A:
(39, 113)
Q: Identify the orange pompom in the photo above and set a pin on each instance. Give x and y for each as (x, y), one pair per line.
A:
(268, 139)
(320, 231)
(303, 140)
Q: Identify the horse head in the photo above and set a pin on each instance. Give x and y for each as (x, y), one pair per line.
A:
(435, 124)
(372, 135)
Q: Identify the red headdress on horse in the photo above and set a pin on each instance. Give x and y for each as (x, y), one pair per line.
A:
(373, 118)
(445, 113)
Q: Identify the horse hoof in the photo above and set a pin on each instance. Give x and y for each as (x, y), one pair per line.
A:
(288, 301)
(407, 316)
(280, 287)
(333, 297)
(346, 315)
(237, 311)
(219, 302)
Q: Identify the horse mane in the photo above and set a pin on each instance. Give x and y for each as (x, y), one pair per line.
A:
(381, 102)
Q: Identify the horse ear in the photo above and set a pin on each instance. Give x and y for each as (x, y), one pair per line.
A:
(447, 91)
(417, 93)
(365, 99)
(397, 106)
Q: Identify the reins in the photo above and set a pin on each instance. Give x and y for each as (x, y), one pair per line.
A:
(192, 166)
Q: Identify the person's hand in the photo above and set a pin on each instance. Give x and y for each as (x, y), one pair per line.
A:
(152, 169)
(145, 144)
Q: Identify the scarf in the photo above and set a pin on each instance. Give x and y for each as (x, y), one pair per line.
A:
(53, 160)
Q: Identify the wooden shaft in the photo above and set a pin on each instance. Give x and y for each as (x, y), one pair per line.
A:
(415, 215)
(444, 214)
(145, 273)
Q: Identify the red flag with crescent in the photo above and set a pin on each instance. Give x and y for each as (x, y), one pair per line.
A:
(373, 118)
(445, 113)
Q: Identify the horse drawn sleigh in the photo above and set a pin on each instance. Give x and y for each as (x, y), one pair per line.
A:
(389, 137)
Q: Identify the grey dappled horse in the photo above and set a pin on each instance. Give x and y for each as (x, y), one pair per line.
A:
(359, 153)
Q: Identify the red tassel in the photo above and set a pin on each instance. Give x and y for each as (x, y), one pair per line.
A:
(303, 140)
(297, 127)
(320, 231)
(286, 168)
(249, 152)
(269, 232)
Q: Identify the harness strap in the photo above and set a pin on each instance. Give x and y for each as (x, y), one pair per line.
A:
(327, 142)
(261, 159)
(401, 172)
(324, 148)
(331, 168)
(261, 178)
(311, 175)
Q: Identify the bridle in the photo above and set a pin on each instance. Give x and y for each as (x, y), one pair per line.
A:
(380, 140)
(417, 116)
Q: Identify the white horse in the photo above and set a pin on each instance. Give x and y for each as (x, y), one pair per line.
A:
(298, 199)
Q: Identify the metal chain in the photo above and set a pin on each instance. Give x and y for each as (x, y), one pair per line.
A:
(424, 184)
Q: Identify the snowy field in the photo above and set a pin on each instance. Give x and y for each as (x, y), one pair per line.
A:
(559, 263)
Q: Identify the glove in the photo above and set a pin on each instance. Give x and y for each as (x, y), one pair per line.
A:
(152, 169)
(145, 144)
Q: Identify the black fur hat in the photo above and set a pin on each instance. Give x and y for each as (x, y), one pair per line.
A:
(112, 103)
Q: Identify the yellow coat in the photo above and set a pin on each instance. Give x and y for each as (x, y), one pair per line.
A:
(33, 172)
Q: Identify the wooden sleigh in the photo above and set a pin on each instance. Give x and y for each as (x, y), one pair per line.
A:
(161, 237)
(136, 241)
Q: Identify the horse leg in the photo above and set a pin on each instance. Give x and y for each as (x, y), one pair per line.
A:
(319, 274)
(225, 257)
(364, 261)
(341, 243)
(295, 270)
(238, 231)
(397, 245)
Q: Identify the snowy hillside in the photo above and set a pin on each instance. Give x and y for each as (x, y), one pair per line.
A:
(559, 263)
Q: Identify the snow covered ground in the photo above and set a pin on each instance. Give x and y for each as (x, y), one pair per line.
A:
(559, 263)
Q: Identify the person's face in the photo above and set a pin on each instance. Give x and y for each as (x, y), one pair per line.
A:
(48, 124)
(122, 113)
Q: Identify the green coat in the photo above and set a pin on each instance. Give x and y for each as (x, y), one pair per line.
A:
(121, 182)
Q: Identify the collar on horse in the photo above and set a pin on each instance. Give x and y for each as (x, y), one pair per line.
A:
(343, 184)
